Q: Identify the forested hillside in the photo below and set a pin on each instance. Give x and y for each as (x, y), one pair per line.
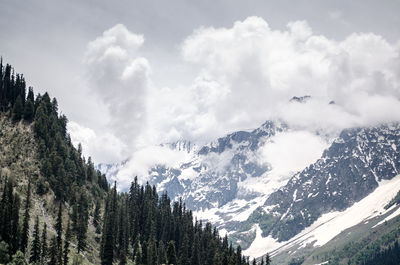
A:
(55, 208)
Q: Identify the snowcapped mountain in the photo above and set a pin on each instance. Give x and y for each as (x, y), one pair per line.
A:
(348, 171)
(353, 167)
(211, 177)
(268, 186)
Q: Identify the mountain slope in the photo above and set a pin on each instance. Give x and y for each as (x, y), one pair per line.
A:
(19, 164)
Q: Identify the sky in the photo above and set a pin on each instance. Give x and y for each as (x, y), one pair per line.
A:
(132, 74)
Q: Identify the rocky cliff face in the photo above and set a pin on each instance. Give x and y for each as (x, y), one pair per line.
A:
(210, 179)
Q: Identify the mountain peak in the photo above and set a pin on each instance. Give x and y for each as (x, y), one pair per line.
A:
(302, 99)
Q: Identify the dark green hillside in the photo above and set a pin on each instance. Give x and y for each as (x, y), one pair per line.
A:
(55, 208)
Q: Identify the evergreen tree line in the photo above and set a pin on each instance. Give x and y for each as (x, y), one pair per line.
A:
(10, 231)
(13, 93)
(62, 166)
(14, 237)
(266, 261)
(55, 253)
(141, 227)
(386, 256)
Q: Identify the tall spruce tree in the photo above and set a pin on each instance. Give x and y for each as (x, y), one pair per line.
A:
(138, 258)
(108, 243)
(239, 255)
(43, 253)
(25, 225)
(96, 216)
(18, 109)
(161, 253)
(66, 244)
(58, 227)
(31, 95)
(53, 251)
(171, 253)
(29, 110)
(196, 250)
(151, 252)
(35, 250)
(267, 259)
(83, 217)
(15, 232)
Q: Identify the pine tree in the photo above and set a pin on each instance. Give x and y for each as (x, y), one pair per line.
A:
(161, 253)
(31, 95)
(239, 255)
(171, 253)
(139, 254)
(15, 233)
(184, 253)
(29, 110)
(18, 109)
(25, 226)
(107, 255)
(254, 262)
(151, 252)
(83, 217)
(43, 253)
(96, 215)
(58, 227)
(267, 259)
(6, 208)
(66, 244)
(53, 253)
(196, 251)
(122, 259)
(35, 250)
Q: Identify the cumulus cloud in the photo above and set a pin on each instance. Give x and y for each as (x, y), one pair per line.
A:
(254, 71)
(120, 77)
(247, 74)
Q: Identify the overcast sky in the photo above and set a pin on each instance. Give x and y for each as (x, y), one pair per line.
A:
(133, 73)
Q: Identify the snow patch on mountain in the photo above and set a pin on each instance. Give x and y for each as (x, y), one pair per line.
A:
(391, 216)
(261, 244)
(333, 223)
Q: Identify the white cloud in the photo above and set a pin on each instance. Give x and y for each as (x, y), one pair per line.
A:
(144, 159)
(290, 152)
(247, 75)
(254, 71)
(120, 77)
(102, 147)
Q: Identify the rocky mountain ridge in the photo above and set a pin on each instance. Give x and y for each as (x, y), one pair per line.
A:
(226, 183)
(349, 170)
